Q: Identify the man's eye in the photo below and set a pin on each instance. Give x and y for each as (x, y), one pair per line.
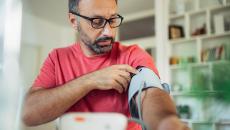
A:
(113, 20)
(98, 21)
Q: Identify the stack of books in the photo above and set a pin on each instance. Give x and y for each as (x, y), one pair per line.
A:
(216, 53)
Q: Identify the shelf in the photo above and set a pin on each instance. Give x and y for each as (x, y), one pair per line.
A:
(147, 42)
(217, 8)
(202, 37)
(194, 121)
(213, 122)
(199, 36)
(177, 16)
(213, 36)
(195, 12)
(139, 15)
(223, 122)
(183, 66)
(198, 93)
(182, 40)
(189, 65)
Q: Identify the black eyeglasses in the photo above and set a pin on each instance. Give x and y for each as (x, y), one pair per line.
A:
(98, 23)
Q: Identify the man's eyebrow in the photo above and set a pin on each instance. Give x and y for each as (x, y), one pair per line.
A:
(99, 16)
(114, 14)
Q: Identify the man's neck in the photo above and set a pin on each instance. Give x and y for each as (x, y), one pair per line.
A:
(86, 51)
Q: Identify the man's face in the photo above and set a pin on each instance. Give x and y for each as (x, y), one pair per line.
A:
(97, 41)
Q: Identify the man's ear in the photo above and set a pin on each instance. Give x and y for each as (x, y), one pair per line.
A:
(73, 20)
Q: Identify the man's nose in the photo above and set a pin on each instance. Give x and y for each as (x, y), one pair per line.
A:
(107, 30)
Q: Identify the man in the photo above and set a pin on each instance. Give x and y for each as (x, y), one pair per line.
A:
(93, 75)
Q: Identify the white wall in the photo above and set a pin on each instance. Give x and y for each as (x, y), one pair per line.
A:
(48, 35)
(39, 37)
(2, 15)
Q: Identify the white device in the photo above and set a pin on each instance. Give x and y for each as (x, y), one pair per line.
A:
(92, 121)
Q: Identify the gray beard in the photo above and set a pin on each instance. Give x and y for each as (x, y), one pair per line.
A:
(93, 46)
(99, 49)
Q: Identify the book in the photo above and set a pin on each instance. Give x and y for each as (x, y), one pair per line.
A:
(215, 53)
(219, 23)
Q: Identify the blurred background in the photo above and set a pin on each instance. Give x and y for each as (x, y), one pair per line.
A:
(188, 39)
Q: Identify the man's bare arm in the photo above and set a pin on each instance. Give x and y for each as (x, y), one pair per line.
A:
(44, 105)
(159, 111)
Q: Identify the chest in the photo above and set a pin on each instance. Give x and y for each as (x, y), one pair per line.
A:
(71, 67)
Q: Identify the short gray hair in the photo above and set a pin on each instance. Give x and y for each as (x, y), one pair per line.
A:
(73, 4)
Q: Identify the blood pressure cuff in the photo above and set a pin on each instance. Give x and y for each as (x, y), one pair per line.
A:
(150, 80)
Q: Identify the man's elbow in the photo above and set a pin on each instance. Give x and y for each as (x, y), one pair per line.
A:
(27, 121)
(28, 118)
(172, 123)
(29, 115)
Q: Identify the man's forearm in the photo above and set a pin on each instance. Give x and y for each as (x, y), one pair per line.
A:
(45, 105)
(157, 109)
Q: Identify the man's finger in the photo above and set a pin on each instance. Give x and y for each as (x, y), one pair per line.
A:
(126, 79)
(129, 69)
(123, 81)
(118, 87)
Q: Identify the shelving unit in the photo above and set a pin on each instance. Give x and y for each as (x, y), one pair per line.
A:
(191, 70)
(139, 23)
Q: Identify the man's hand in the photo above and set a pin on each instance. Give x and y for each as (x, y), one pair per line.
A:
(113, 77)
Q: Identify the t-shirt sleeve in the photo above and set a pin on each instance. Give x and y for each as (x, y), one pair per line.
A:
(139, 57)
(46, 77)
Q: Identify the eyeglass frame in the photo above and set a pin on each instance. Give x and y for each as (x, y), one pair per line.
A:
(91, 19)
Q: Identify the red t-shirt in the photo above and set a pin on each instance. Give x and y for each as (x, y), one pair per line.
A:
(65, 64)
